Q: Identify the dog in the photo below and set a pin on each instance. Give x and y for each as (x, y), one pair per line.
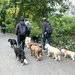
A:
(35, 38)
(36, 49)
(54, 51)
(68, 53)
(29, 44)
(12, 42)
(20, 55)
(27, 40)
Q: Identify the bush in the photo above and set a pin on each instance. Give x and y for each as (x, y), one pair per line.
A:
(63, 28)
(10, 28)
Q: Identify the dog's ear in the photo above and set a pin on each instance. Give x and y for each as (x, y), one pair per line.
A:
(8, 40)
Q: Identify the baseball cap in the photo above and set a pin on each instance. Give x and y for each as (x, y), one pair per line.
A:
(44, 18)
(21, 19)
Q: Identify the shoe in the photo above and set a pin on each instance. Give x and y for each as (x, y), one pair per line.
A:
(25, 61)
(43, 50)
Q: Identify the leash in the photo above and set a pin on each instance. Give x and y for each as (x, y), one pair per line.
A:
(21, 44)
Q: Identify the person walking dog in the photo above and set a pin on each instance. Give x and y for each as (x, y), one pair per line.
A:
(21, 32)
(46, 33)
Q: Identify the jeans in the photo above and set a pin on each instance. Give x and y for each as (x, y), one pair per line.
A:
(48, 38)
(21, 42)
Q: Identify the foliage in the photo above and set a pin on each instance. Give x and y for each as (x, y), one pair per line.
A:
(10, 28)
(63, 28)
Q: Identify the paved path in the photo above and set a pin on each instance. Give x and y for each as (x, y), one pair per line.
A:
(47, 66)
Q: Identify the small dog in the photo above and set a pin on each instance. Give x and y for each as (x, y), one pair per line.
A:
(27, 40)
(20, 55)
(35, 38)
(12, 42)
(68, 53)
(54, 51)
(36, 49)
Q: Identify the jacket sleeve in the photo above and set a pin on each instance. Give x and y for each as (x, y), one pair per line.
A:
(43, 28)
(17, 29)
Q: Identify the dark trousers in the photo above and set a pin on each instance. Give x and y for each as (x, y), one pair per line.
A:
(3, 31)
(28, 33)
(48, 38)
(21, 42)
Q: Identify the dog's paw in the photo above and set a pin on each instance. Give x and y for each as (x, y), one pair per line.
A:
(56, 59)
(17, 58)
(22, 64)
(73, 59)
(25, 61)
(48, 55)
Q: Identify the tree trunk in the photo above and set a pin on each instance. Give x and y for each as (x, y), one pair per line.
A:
(19, 13)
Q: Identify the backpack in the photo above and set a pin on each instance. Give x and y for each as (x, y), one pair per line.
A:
(28, 26)
(22, 30)
(49, 28)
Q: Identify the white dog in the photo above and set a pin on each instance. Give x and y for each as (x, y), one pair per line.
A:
(27, 40)
(54, 51)
(68, 53)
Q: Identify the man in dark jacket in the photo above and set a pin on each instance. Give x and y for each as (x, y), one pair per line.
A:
(45, 35)
(21, 38)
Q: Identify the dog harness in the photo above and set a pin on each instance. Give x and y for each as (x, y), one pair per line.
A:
(65, 51)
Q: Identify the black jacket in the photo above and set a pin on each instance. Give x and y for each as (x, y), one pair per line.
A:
(17, 27)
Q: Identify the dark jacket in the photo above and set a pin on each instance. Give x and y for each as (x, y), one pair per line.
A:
(3, 26)
(17, 28)
(44, 27)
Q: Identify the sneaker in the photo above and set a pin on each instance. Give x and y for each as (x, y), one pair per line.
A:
(25, 61)
(43, 50)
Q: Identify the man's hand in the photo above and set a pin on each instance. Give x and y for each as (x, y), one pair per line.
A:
(42, 36)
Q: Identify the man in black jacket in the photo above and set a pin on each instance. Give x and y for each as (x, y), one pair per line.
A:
(20, 37)
(45, 35)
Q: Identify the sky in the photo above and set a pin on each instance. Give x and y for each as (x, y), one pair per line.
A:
(73, 2)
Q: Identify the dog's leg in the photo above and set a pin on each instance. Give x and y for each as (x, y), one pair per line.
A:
(31, 52)
(53, 56)
(56, 58)
(37, 56)
(65, 55)
(72, 57)
(59, 57)
(17, 58)
(40, 54)
(48, 53)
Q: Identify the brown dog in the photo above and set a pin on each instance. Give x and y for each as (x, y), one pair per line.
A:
(36, 49)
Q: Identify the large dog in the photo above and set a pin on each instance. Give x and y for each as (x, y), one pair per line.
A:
(20, 55)
(36, 49)
(27, 40)
(54, 51)
(35, 38)
(68, 53)
(12, 42)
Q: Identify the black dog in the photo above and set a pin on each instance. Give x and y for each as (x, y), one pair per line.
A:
(20, 55)
(12, 42)
(35, 38)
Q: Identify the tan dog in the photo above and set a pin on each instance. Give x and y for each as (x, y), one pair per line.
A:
(30, 44)
(68, 53)
(54, 51)
(27, 40)
(36, 49)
